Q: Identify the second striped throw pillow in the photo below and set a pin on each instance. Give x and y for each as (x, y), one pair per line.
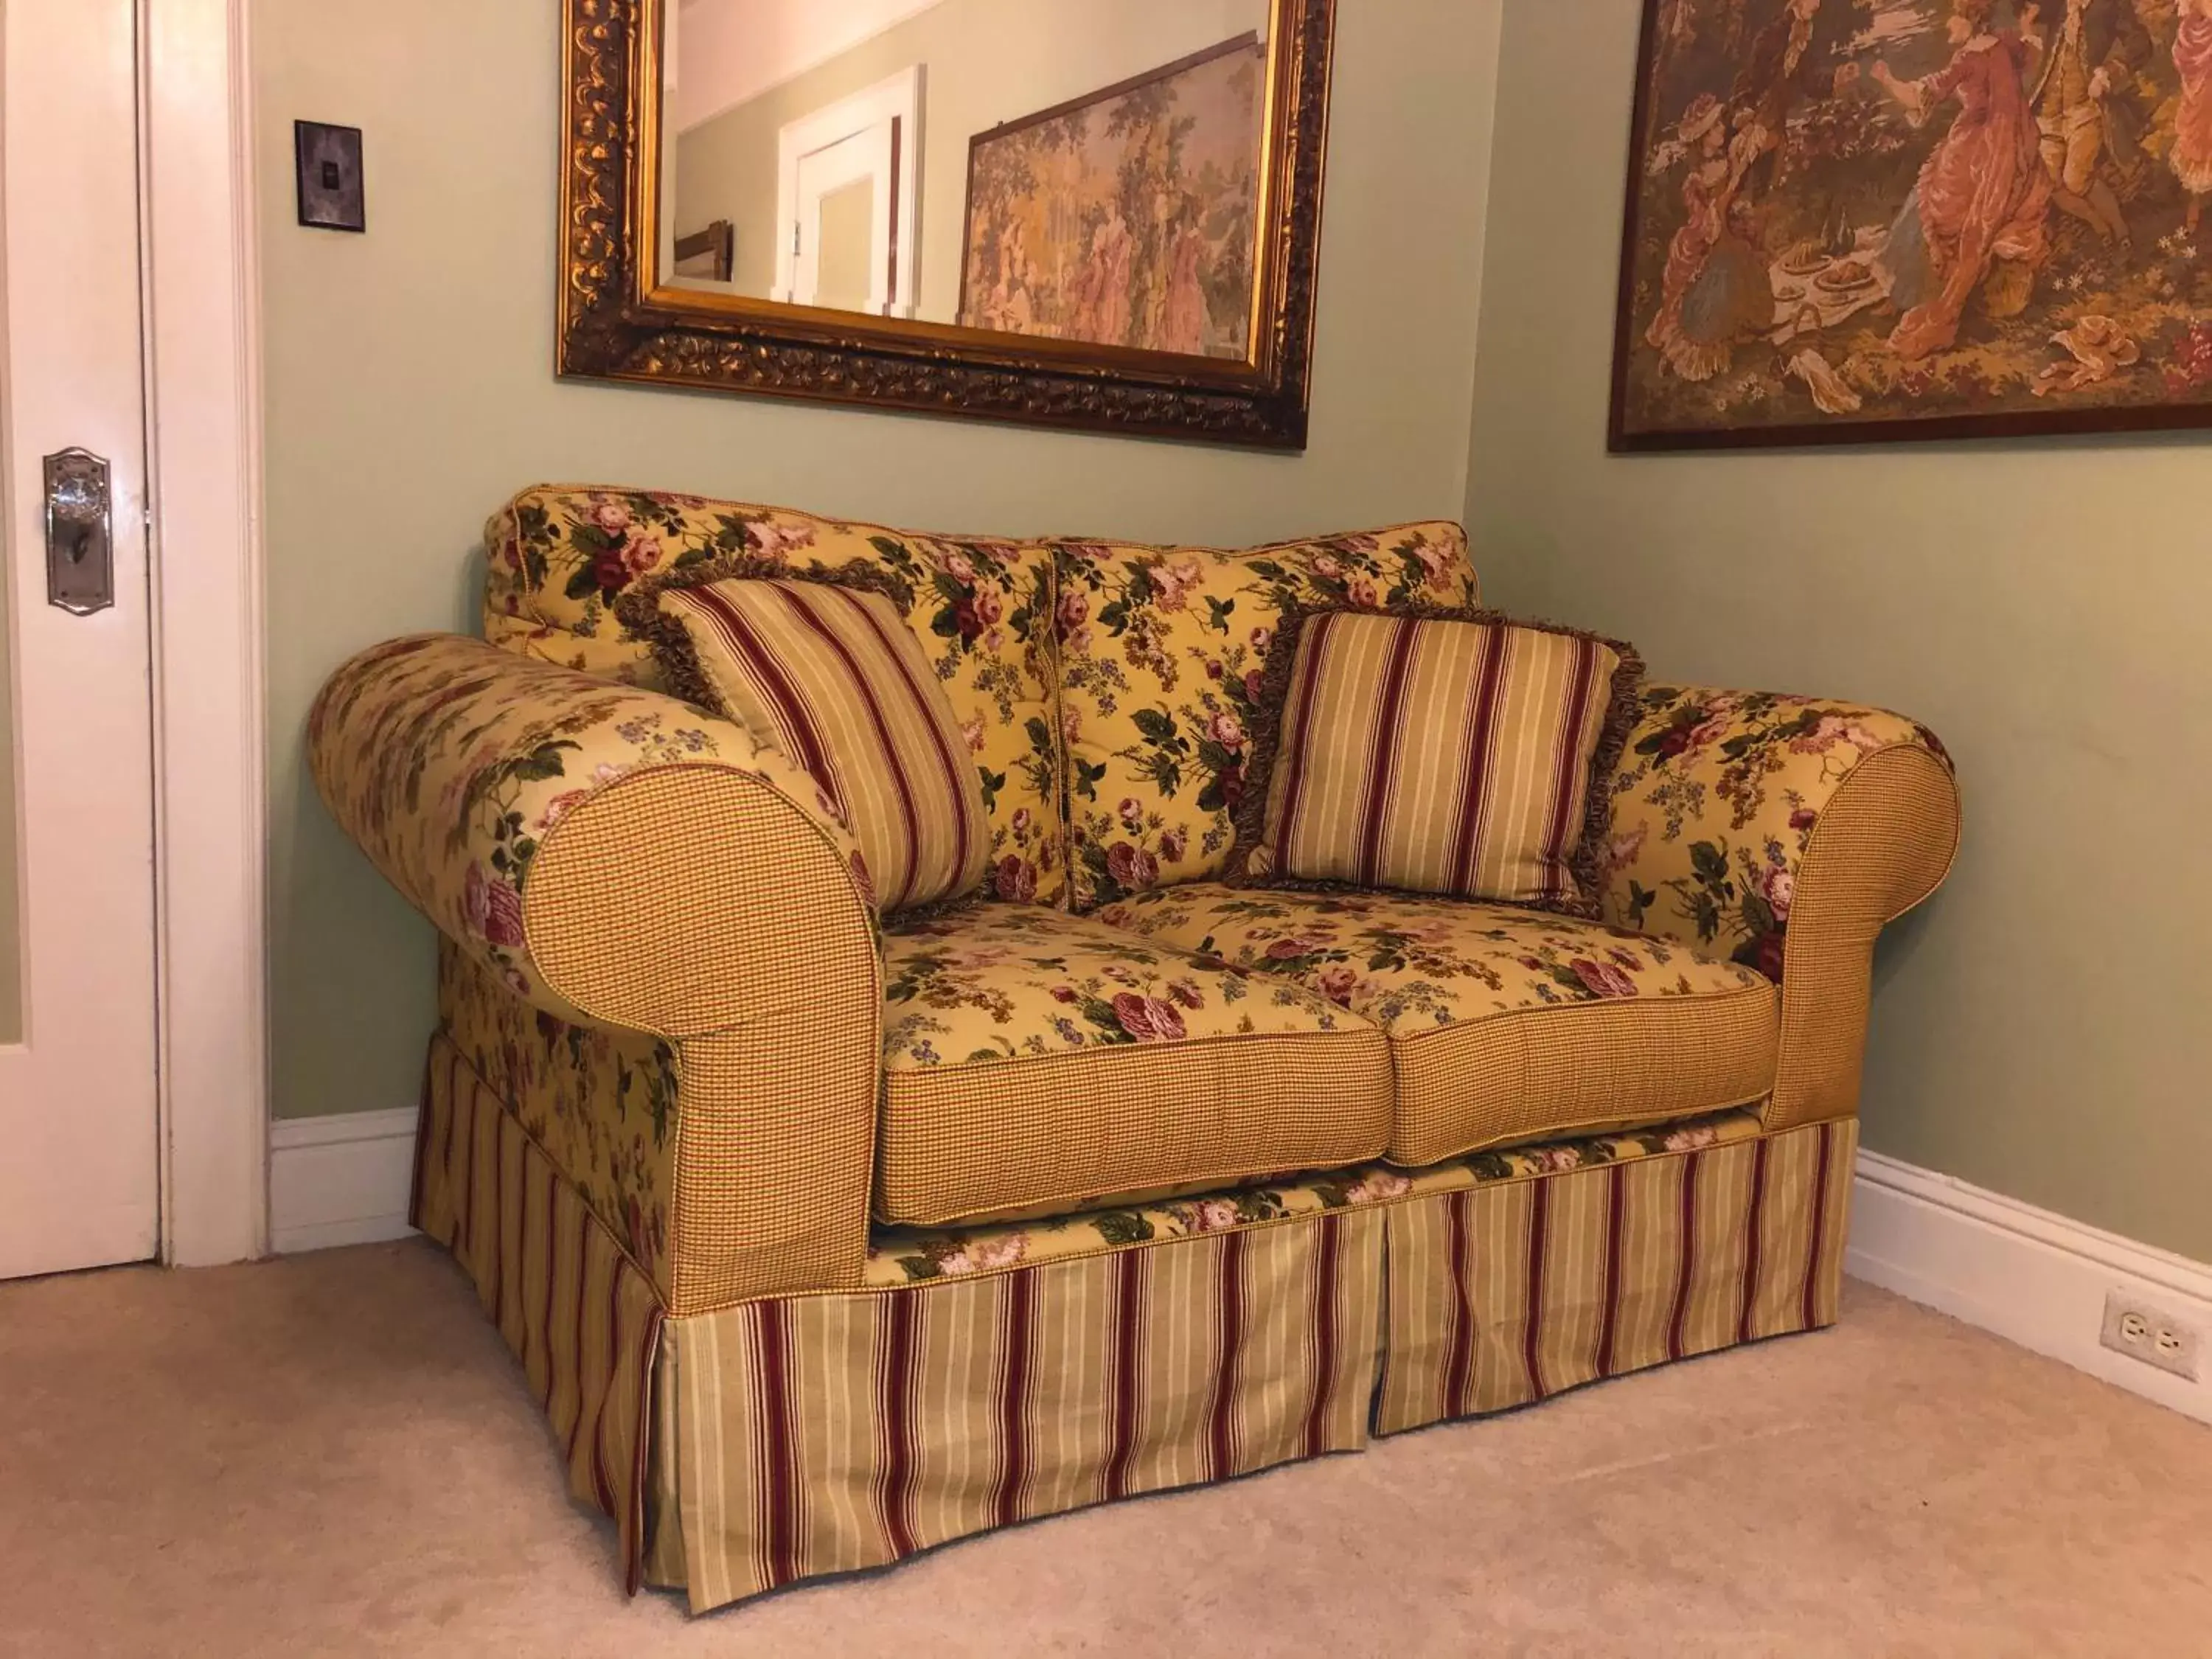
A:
(1446, 755)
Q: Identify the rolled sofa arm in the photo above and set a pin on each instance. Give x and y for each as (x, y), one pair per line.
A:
(615, 856)
(1786, 831)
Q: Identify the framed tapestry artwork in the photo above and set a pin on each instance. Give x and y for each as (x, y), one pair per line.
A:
(1054, 247)
(1851, 221)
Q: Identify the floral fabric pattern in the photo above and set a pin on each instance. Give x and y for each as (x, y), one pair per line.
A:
(1715, 806)
(449, 762)
(1411, 965)
(906, 1255)
(601, 1103)
(558, 559)
(1162, 653)
(1000, 982)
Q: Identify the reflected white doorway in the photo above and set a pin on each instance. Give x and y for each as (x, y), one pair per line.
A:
(847, 180)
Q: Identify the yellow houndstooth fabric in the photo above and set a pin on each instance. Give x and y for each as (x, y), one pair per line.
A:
(1035, 1059)
(1506, 1024)
(1436, 754)
(830, 676)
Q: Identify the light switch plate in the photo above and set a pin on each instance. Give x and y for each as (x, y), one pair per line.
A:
(333, 194)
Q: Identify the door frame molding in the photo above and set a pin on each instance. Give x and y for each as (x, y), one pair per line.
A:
(204, 434)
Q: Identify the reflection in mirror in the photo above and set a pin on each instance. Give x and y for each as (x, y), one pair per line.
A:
(1086, 170)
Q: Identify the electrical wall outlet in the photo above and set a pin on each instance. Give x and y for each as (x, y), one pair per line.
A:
(2141, 1331)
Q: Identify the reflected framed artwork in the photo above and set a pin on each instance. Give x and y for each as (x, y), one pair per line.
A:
(1051, 249)
(1858, 221)
(1043, 211)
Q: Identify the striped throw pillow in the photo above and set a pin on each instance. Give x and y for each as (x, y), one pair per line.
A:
(832, 676)
(1454, 755)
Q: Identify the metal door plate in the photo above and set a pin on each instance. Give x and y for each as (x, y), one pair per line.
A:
(80, 533)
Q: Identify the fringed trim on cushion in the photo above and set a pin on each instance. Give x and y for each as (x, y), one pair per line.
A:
(1622, 715)
(1267, 742)
(1585, 862)
(642, 618)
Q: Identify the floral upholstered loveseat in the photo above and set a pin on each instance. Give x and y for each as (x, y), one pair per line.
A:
(824, 1238)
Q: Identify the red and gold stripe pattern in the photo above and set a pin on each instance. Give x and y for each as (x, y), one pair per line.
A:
(821, 1435)
(581, 1316)
(795, 1436)
(1505, 1294)
(834, 678)
(1438, 755)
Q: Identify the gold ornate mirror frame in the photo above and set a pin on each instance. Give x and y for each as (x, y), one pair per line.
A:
(619, 321)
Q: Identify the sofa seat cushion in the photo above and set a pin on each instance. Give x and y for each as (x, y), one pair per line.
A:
(1506, 1024)
(1035, 1059)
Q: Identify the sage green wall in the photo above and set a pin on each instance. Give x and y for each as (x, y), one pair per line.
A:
(2039, 1028)
(410, 392)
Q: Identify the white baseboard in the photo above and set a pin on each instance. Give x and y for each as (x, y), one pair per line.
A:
(2034, 1278)
(339, 1180)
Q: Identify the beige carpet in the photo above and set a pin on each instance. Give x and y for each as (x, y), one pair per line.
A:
(333, 1455)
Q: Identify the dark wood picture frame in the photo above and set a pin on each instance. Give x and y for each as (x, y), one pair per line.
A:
(617, 320)
(1633, 313)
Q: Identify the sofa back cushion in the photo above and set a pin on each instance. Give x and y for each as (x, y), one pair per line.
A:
(829, 675)
(1453, 756)
(560, 556)
(1163, 654)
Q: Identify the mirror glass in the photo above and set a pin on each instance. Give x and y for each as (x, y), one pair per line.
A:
(1087, 170)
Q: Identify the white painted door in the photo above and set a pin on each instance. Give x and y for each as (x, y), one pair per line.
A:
(80, 1157)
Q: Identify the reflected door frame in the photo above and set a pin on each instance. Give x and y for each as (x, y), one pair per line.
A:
(876, 133)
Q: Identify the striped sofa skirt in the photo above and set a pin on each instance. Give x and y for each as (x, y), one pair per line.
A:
(789, 1438)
